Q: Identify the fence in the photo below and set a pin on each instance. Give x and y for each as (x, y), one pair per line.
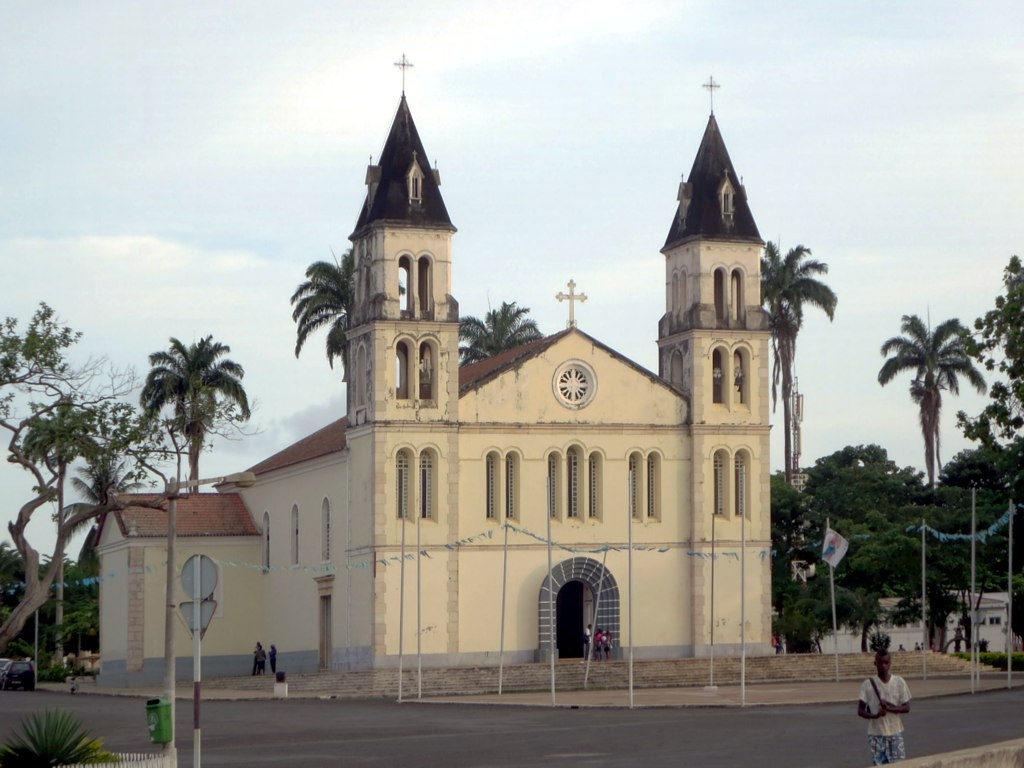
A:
(133, 760)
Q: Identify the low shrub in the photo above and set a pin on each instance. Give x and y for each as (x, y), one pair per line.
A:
(60, 672)
(52, 737)
(997, 660)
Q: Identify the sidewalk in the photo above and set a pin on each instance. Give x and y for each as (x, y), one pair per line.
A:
(759, 694)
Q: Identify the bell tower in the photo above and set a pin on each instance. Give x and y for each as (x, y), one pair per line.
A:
(713, 347)
(403, 329)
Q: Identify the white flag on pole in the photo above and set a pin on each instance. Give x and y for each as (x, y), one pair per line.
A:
(833, 549)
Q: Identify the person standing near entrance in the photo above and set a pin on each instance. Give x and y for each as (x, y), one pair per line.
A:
(883, 698)
(273, 658)
(586, 641)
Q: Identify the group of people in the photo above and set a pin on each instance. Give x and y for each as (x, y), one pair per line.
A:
(259, 659)
(602, 640)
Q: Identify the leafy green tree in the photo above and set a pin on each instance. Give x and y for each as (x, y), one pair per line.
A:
(861, 611)
(503, 328)
(202, 391)
(51, 409)
(324, 300)
(788, 284)
(938, 359)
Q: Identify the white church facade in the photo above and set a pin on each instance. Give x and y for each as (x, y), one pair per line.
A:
(562, 433)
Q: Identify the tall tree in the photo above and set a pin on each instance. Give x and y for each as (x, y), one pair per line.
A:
(998, 344)
(788, 283)
(501, 329)
(49, 409)
(938, 359)
(323, 300)
(201, 389)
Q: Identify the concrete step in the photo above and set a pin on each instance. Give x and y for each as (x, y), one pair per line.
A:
(569, 674)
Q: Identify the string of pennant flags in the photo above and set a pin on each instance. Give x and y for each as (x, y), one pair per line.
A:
(980, 536)
(322, 569)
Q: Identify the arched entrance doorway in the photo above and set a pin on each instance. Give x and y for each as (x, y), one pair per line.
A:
(578, 585)
(574, 609)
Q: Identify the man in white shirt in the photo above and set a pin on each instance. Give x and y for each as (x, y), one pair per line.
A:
(883, 698)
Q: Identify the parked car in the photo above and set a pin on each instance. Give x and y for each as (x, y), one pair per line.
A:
(18, 674)
(3, 665)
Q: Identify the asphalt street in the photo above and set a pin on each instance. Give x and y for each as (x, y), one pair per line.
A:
(379, 733)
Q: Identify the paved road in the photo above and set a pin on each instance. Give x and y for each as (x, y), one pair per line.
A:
(376, 733)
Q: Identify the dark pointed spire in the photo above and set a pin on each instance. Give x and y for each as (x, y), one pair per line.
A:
(700, 212)
(387, 198)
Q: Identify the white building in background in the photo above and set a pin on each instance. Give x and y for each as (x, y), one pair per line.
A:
(992, 627)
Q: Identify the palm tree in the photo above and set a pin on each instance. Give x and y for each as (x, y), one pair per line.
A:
(96, 481)
(501, 329)
(324, 300)
(938, 358)
(194, 382)
(787, 284)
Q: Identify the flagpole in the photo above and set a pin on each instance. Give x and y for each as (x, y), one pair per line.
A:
(1009, 601)
(629, 604)
(401, 609)
(501, 634)
(711, 683)
(743, 608)
(597, 606)
(419, 623)
(832, 590)
(974, 616)
(551, 604)
(924, 604)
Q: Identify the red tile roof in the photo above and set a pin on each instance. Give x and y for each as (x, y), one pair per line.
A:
(329, 439)
(199, 514)
(473, 375)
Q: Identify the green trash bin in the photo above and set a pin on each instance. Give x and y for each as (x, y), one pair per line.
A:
(158, 716)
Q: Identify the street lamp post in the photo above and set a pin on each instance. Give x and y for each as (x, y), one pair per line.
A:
(172, 491)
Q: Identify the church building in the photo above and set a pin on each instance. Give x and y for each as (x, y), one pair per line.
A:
(467, 468)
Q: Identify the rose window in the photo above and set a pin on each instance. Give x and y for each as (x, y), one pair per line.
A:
(574, 384)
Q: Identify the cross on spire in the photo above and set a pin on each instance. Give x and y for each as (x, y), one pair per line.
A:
(711, 86)
(572, 297)
(403, 64)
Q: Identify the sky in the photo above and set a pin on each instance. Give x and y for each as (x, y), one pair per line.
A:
(170, 169)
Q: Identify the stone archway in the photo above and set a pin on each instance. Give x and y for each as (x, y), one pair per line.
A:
(588, 571)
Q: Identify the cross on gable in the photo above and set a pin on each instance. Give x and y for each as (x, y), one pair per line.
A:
(711, 86)
(403, 64)
(572, 297)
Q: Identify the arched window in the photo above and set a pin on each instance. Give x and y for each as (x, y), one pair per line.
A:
(266, 541)
(572, 477)
(742, 470)
(594, 486)
(402, 370)
(360, 376)
(739, 377)
(683, 306)
(675, 372)
(427, 369)
(736, 295)
(717, 376)
(402, 469)
(721, 457)
(674, 297)
(491, 490)
(511, 486)
(720, 294)
(554, 467)
(427, 485)
(295, 534)
(635, 468)
(653, 485)
(325, 531)
(424, 285)
(405, 283)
